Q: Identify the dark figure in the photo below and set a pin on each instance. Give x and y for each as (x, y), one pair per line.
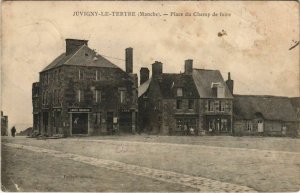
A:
(13, 131)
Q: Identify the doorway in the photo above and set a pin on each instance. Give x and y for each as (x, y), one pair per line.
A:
(109, 121)
(260, 126)
(125, 122)
(79, 123)
(45, 121)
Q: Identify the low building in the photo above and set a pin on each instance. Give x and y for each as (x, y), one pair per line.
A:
(264, 115)
(296, 105)
(174, 103)
(4, 124)
(82, 92)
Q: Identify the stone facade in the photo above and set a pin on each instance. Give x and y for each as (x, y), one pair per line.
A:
(90, 96)
(171, 104)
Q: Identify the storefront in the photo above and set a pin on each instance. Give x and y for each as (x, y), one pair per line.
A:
(79, 120)
(218, 124)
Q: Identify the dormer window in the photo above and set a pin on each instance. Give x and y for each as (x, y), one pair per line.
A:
(179, 92)
(218, 89)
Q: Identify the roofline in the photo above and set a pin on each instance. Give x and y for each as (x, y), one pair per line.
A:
(76, 39)
(267, 96)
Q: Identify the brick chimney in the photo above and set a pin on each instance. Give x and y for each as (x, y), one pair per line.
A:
(144, 75)
(188, 67)
(230, 83)
(129, 60)
(157, 69)
(73, 45)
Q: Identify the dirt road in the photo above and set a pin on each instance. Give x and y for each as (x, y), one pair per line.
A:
(260, 169)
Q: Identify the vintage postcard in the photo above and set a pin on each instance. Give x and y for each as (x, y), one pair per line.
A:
(150, 96)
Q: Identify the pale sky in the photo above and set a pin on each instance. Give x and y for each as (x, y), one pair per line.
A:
(255, 49)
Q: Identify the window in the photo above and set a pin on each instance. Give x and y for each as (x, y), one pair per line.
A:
(217, 106)
(179, 92)
(122, 96)
(80, 74)
(179, 104)
(57, 97)
(97, 96)
(80, 95)
(249, 125)
(98, 75)
(191, 104)
(97, 118)
(220, 92)
(222, 106)
(54, 97)
(158, 105)
(210, 105)
(224, 124)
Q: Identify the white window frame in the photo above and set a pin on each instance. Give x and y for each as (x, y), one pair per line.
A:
(122, 96)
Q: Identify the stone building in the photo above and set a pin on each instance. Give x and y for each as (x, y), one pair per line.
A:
(296, 105)
(4, 124)
(264, 115)
(82, 92)
(172, 103)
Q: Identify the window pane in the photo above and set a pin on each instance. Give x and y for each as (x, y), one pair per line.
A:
(179, 92)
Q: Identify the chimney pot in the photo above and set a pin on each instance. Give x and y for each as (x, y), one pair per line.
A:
(129, 60)
(157, 69)
(188, 66)
(73, 45)
(230, 83)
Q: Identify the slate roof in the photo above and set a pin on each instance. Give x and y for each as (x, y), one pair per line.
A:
(271, 107)
(204, 78)
(168, 84)
(84, 56)
(143, 87)
(171, 81)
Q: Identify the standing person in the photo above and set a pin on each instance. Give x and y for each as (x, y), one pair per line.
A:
(192, 131)
(185, 129)
(13, 131)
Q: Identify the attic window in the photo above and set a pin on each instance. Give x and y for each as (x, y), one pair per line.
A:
(179, 92)
(86, 54)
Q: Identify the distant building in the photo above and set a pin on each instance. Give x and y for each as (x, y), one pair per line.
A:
(171, 104)
(264, 115)
(296, 105)
(4, 125)
(81, 92)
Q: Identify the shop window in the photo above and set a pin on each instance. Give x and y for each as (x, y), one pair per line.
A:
(97, 118)
(191, 104)
(224, 124)
(179, 104)
(179, 92)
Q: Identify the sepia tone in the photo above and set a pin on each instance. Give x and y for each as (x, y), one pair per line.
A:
(150, 96)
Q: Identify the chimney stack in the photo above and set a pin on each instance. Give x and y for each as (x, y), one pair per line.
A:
(144, 75)
(188, 67)
(157, 69)
(230, 83)
(73, 45)
(129, 60)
